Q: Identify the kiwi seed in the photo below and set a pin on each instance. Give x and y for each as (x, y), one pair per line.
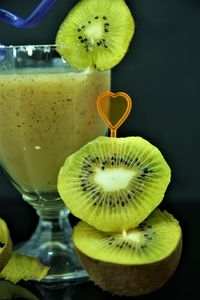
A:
(114, 184)
(101, 39)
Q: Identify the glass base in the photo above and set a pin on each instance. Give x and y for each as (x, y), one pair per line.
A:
(51, 244)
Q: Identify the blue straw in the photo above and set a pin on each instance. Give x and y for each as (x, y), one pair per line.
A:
(36, 16)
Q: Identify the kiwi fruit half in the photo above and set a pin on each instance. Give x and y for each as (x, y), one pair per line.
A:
(134, 262)
(96, 34)
(114, 183)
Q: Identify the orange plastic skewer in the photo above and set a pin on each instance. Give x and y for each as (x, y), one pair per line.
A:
(105, 118)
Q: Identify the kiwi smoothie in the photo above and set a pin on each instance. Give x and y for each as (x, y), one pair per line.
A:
(44, 117)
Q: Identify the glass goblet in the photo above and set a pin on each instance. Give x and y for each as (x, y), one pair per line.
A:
(47, 112)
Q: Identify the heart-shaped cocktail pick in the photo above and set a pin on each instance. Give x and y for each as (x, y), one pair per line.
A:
(114, 109)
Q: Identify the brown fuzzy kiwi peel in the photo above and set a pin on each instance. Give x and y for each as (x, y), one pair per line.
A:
(131, 280)
(5, 240)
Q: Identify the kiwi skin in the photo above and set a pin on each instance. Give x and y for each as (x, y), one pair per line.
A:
(131, 280)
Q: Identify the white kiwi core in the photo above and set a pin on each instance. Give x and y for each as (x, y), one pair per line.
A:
(94, 32)
(135, 236)
(113, 179)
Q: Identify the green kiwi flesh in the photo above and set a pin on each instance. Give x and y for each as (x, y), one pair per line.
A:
(133, 263)
(114, 183)
(96, 34)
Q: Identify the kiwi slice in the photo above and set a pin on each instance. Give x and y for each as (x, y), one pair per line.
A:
(96, 34)
(134, 262)
(114, 183)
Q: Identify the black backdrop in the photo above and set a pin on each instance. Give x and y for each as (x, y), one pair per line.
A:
(161, 72)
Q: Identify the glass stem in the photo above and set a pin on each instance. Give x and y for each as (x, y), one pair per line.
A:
(51, 241)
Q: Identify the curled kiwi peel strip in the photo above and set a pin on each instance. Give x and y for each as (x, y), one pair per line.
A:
(5, 244)
(9, 291)
(105, 113)
(23, 267)
(14, 266)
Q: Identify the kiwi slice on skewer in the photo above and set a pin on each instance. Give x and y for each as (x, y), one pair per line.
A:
(96, 34)
(134, 262)
(114, 183)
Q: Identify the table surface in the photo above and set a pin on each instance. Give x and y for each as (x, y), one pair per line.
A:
(184, 282)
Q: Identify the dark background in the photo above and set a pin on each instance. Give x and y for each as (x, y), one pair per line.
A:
(161, 72)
